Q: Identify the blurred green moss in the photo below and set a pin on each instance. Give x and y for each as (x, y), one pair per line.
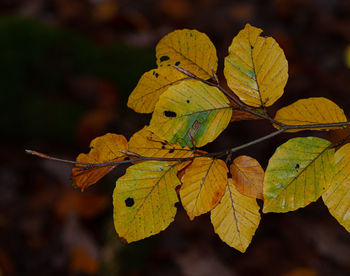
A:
(36, 60)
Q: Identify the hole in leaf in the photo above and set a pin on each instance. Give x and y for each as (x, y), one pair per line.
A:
(163, 58)
(177, 63)
(171, 150)
(157, 75)
(129, 202)
(169, 114)
(163, 147)
(188, 101)
(297, 166)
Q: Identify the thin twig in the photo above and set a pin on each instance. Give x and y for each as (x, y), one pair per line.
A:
(146, 158)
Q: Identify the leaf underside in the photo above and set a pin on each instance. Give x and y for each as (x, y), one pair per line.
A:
(248, 176)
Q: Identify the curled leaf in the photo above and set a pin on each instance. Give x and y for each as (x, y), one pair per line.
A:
(248, 176)
(190, 50)
(203, 185)
(191, 112)
(337, 196)
(256, 68)
(144, 200)
(310, 111)
(104, 149)
(235, 218)
(297, 174)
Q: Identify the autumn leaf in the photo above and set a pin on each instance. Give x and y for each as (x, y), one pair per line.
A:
(103, 149)
(151, 85)
(83, 262)
(144, 200)
(347, 56)
(297, 174)
(235, 218)
(191, 111)
(248, 176)
(84, 205)
(337, 196)
(146, 143)
(190, 50)
(203, 185)
(310, 111)
(256, 68)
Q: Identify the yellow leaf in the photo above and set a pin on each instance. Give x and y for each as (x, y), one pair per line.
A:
(256, 68)
(347, 56)
(203, 185)
(248, 176)
(190, 50)
(191, 111)
(297, 174)
(146, 143)
(103, 149)
(337, 196)
(310, 111)
(235, 218)
(144, 200)
(151, 85)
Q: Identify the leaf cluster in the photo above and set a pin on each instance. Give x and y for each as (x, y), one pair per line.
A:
(190, 109)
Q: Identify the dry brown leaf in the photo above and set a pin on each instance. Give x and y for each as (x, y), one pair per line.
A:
(103, 149)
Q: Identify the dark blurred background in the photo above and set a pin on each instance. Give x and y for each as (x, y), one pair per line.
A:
(66, 70)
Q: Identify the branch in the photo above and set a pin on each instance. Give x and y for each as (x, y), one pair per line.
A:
(251, 111)
(146, 158)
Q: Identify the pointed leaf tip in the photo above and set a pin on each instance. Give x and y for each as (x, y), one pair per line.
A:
(235, 218)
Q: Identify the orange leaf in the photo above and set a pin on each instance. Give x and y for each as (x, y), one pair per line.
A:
(203, 185)
(85, 205)
(103, 149)
(83, 262)
(248, 176)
